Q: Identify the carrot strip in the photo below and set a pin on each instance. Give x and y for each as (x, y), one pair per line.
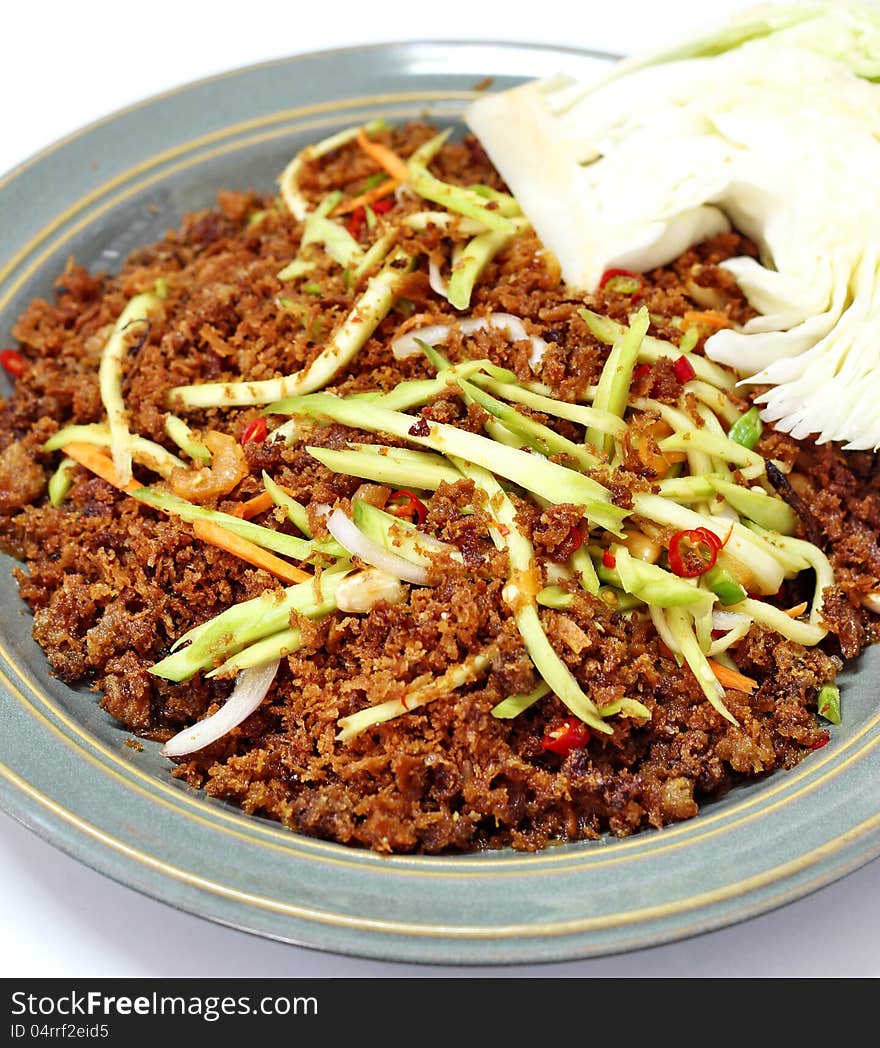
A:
(208, 531)
(94, 460)
(258, 504)
(102, 465)
(704, 318)
(370, 197)
(797, 610)
(386, 158)
(732, 679)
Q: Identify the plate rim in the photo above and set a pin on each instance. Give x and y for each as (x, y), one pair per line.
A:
(43, 152)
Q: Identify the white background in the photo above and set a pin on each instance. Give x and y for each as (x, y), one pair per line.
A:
(67, 64)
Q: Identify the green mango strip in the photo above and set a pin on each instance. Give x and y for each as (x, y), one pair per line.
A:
(792, 562)
(585, 416)
(398, 536)
(616, 378)
(468, 268)
(514, 705)
(299, 267)
(536, 474)
(289, 181)
(656, 586)
(716, 400)
(186, 440)
(626, 708)
(769, 511)
(520, 554)
(336, 240)
(750, 463)
(375, 254)
(345, 343)
(811, 556)
(420, 221)
(136, 313)
(828, 703)
(554, 597)
(582, 564)
(686, 640)
(214, 641)
(807, 633)
(267, 538)
(420, 695)
(618, 600)
(145, 452)
(295, 511)
(686, 489)
(453, 198)
(61, 481)
(435, 358)
(427, 474)
(266, 650)
(547, 440)
(416, 392)
(502, 435)
(731, 637)
(652, 349)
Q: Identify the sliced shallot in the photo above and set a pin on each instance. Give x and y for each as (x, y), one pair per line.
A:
(439, 284)
(349, 535)
(436, 334)
(250, 689)
(406, 345)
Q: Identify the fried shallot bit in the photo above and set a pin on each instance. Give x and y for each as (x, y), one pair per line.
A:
(228, 469)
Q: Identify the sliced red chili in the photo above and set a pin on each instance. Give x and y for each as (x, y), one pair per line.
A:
(642, 369)
(611, 274)
(576, 537)
(684, 370)
(255, 430)
(710, 537)
(383, 205)
(356, 222)
(13, 362)
(823, 741)
(412, 508)
(608, 559)
(693, 552)
(570, 735)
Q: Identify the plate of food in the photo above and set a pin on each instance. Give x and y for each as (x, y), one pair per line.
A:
(434, 532)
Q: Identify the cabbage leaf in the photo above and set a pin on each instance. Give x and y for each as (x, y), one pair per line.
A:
(771, 125)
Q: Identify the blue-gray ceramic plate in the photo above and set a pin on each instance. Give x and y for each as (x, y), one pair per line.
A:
(66, 771)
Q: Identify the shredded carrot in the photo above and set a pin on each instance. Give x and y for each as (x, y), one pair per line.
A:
(732, 679)
(706, 318)
(370, 197)
(797, 610)
(258, 504)
(386, 158)
(208, 531)
(100, 464)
